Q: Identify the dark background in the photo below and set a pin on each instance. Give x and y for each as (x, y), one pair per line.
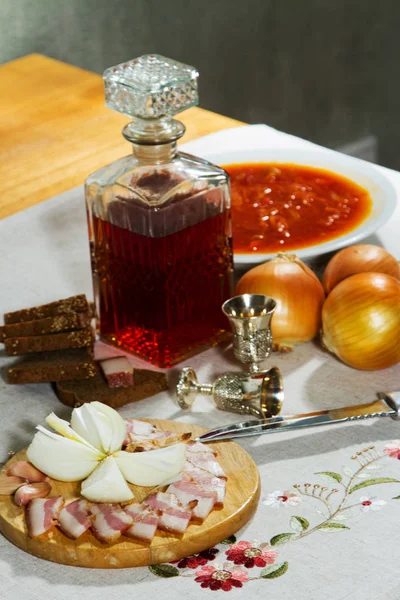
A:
(326, 70)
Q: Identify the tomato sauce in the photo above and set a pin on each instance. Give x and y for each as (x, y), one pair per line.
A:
(279, 207)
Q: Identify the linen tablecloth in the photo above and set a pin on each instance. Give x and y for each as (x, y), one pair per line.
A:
(343, 480)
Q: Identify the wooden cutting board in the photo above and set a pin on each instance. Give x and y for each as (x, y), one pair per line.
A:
(242, 495)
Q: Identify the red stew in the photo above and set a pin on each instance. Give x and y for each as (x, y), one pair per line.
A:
(278, 207)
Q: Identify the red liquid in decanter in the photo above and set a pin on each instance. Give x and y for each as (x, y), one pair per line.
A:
(160, 296)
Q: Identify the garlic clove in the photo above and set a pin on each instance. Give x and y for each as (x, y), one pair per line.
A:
(27, 492)
(64, 428)
(24, 469)
(106, 484)
(101, 425)
(153, 467)
(62, 458)
(10, 483)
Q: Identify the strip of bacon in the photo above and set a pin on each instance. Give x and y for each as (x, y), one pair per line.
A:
(110, 521)
(205, 461)
(199, 447)
(208, 482)
(27, 471)
(140, 428)
(173, 517)
(41, 514)
(74, 518)
(145, 522)
(28, 492)
(160, 439)
(190, 492)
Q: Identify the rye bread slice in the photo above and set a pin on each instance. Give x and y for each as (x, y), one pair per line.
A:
(49, 343)
(68, 322)
(53, 366)
(76, 393)
(74, 304)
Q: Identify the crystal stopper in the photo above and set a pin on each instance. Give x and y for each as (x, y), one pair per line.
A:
(151, 86)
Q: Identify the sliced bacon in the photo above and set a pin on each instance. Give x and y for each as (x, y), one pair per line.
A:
(173, 517)
(28, 492)
(140, 428)
(74, 519)
(208, 482)
(110, 521)
(199, 447)
(205, 461)
(27, 471)
(42, 513)
(190, 493)
(145, 522)
(160, 439)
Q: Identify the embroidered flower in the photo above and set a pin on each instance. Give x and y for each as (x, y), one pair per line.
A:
(198, 560)
(371, 503)
(278, 499)
(252, 554)
(393, 449)
(221, 577)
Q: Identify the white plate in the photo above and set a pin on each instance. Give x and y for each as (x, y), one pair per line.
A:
(382, 192)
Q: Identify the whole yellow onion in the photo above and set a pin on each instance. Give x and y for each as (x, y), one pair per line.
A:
(361, 258)
(361, 321)
(299, 297)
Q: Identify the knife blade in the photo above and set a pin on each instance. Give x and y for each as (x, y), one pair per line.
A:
(388, 405)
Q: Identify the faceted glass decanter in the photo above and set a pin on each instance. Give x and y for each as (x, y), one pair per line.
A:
(159, 223)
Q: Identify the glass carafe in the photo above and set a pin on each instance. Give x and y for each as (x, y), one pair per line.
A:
(159, 223)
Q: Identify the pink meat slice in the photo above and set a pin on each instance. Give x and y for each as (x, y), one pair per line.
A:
(109, 522)
(190, 493)
(145, 522)
(199, 447)
(42, 513)
(206, 461)
(74, 518)
(137, 428)
(173, 517)
(208, 482)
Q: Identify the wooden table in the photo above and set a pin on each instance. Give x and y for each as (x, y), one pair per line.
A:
(55, 129)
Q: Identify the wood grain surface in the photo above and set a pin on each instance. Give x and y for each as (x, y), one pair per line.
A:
(55, 129)
(242, 495)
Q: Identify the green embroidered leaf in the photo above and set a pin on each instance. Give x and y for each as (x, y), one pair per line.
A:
(274, 571)
(164, 570)
(281, 538)
(369, 482)
(230, 540)
(299, 524)
(332, 527)
(328, 475)
(396, 498)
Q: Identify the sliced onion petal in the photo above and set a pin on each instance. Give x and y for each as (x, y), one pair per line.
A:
(61, 458)
(83, 422)
(116, 423)
(64, 428)
(106, 484)
(153, 467)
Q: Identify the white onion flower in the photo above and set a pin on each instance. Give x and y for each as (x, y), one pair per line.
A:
(89, 449)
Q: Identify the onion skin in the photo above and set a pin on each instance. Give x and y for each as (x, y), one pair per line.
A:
(361, 321)
(362, 258)
(299, 297)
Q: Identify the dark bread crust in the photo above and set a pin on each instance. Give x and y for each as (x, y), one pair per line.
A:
(74, 304)
(67, 322)
(76, 393)
(53, 366)
(49, 343)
